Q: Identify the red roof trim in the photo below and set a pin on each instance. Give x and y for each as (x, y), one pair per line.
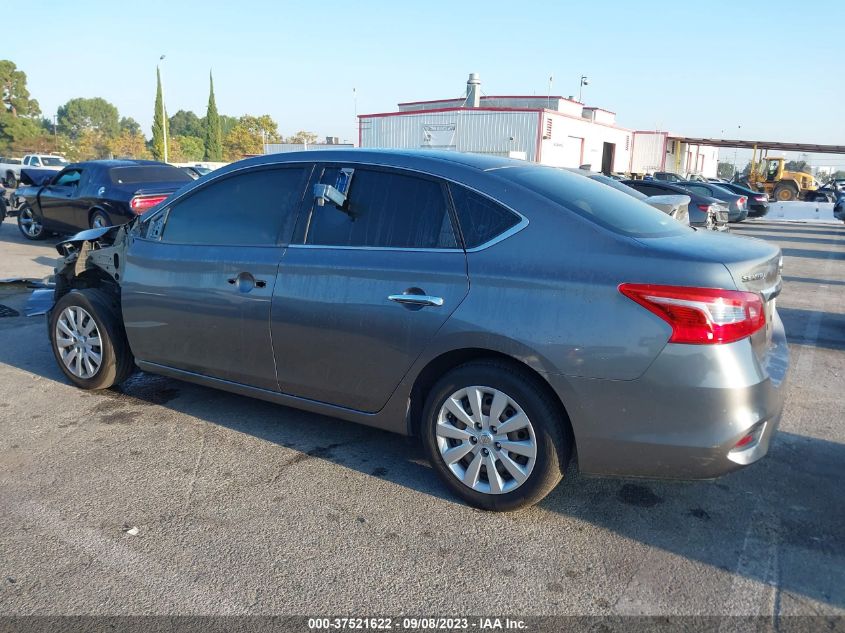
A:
(436, 110)
(406, 103)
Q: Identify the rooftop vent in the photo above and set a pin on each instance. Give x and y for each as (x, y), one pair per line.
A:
(473, 99)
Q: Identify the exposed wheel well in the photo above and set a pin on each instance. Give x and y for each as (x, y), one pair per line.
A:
(432, 372)
(92, 278)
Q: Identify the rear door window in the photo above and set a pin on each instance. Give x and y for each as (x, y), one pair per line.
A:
(481, 220)
(253, 208)
(384, 209)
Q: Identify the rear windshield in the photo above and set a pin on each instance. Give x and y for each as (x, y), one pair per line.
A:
(599, 203)
(147, 173)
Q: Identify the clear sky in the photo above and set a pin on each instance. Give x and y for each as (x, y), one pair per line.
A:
(694, 68)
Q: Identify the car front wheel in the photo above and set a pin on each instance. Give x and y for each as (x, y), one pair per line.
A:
(495, 436)
(89, 341)
(30, 227)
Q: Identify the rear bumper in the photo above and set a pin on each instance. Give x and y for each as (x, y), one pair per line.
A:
(684, 416)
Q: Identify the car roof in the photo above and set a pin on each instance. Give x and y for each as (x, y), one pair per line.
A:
(677, 188)
(420, 158)
(117, 162)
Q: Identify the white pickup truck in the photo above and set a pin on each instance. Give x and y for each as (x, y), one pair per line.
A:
(10, 168)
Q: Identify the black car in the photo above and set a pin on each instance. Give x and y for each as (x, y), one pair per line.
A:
(704, 212)
(830, 192)
(758, 202)
(94, 194)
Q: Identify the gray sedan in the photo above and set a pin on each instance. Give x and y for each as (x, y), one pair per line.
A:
(506, 314)
(737, 203)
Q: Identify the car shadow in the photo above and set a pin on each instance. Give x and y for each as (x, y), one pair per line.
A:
(759, 227)
(777, 522)
(801, 239)
(831, 332)
(814, 280)
(813, 254)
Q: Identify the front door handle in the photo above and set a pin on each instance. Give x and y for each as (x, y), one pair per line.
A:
(246, 282)
(420, 300)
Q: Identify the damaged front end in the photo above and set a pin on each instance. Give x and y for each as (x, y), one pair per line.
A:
(92, 259)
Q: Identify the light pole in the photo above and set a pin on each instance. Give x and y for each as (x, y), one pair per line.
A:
(56, 131)
(585, 81)
(738, 128)
(163, 109)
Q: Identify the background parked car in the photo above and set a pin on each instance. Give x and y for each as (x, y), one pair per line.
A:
(196, 171)
(668, 176)
(737, 203)
(704, 212)
(95, 194)
(676, 206)
(839, 209)
(758, 203)
(829, 192)
(11, 171)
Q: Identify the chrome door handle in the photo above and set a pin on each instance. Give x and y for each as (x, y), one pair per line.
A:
(417, 300)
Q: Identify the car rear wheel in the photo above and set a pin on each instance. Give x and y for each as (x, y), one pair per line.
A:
(89, 341)
(495, 436)
(99, 220)
(10, 180)
(30, 227)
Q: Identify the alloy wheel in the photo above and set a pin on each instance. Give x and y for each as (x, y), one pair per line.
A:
(78, 342)
(486, 440)
(29, 224)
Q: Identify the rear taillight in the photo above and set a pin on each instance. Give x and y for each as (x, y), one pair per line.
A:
(705, 207)
(701, 316)
(742, 201)
(761, 198)
(139, 204)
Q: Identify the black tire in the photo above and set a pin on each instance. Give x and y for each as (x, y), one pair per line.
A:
(25, 213)
(117, 361)
(551, 432)
(785, 193)
(10, 180)
(97, 214)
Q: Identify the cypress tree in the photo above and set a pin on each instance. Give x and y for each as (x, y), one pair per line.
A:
(213, 142)
(159, 122)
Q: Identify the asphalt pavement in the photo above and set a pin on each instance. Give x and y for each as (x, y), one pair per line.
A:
(162, 497)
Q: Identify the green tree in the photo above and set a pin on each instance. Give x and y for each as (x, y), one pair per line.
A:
(130, 124)
(129, 144)
(186, 149)
(159, 122)
(19, 114)
(725, 170)
(242, 140)
(797, 165)
(93, 115)
(213, 140)
(186, 123)
(838, 175)
(13, 92)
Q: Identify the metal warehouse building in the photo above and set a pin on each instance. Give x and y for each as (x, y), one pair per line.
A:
(551, 130)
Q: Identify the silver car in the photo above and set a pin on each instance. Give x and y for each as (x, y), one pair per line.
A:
(507, 314)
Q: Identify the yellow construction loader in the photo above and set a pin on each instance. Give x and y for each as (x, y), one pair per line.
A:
(769, 175)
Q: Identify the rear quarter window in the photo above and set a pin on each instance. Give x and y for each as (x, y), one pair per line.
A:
(481, 220)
